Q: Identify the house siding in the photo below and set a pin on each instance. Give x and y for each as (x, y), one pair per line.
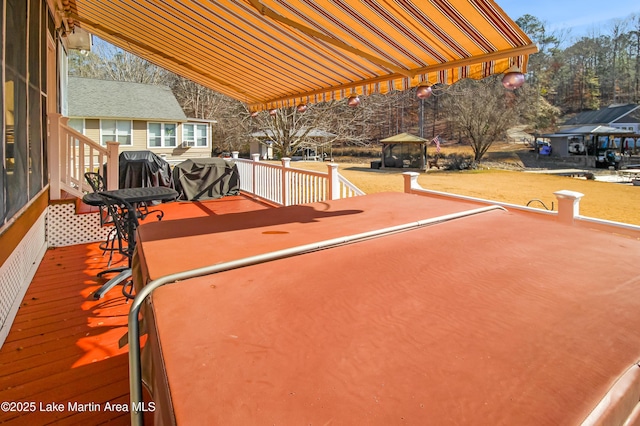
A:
(92, 129)
(139, 136)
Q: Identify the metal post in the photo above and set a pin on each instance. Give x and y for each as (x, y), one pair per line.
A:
(421, 118)
(421, 125)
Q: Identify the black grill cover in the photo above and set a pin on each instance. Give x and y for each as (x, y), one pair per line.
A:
(206, 178)
(141, 169)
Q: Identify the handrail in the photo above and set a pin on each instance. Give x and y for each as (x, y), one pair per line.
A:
(135, 373)
(285, 185)
(80, 161)
(73, 154)
(348, 188)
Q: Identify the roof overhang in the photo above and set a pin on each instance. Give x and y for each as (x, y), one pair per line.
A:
(275, 53)
(404, 138)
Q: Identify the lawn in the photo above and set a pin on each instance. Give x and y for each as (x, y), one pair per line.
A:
(610, 201)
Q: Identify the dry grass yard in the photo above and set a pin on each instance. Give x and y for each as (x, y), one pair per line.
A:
(610, 201)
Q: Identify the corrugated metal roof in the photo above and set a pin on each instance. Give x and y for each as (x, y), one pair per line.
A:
(92, 98)
(274, 53)
(595, 129)
(607, 115)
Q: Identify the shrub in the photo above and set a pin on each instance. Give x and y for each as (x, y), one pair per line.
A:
(457, 161)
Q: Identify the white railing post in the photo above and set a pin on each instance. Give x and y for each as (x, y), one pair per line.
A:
(53, 148)
(113, 166)
(234, 155)
(333, 189)
(254, 174)
(568, 205)
(286, 163)
(410, 181)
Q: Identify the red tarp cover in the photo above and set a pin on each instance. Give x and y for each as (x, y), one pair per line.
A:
(497, 318)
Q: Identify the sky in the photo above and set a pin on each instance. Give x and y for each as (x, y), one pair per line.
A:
(582, 16)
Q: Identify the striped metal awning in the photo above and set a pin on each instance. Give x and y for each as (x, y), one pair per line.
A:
(275, 53)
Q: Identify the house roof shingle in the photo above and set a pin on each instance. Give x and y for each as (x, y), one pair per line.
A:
(92, 98)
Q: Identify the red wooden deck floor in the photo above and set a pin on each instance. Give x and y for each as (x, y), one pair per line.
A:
(63, 346)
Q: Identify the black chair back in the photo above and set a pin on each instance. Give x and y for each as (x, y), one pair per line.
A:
(96, 181)
(125, 221)
(98, 184)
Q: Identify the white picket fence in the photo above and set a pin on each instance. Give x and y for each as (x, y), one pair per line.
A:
(285, 186)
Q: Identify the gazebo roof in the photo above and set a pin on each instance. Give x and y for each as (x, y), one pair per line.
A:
(314, 133)
(404, 138)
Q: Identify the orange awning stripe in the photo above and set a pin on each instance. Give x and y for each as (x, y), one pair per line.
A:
(274, 53)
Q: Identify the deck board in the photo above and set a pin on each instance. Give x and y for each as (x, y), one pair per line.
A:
(63, 346)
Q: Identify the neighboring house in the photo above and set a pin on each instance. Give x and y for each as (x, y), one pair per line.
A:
(615, 128)
(138, 116)
(623, 117)
(311, 149)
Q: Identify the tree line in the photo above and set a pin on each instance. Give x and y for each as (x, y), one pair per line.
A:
(594, 71)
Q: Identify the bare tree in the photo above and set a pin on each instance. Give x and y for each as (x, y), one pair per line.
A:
(618, 28)
(483, 111)
(635, 43)
(108, 62)
(288, 129)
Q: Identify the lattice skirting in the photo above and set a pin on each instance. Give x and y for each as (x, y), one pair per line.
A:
(66, 228)
(17, 272)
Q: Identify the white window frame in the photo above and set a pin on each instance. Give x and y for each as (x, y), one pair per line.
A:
(117, 134)
(84, 125)
(194, 142)
(163, 137)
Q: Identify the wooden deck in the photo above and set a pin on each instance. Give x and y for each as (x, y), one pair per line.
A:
(63, 346)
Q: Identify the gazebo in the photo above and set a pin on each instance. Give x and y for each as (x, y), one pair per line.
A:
(404, 150)
(309, 149)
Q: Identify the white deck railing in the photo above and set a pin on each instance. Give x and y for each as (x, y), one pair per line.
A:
(284, 185)
(568, 208)
(71, 155)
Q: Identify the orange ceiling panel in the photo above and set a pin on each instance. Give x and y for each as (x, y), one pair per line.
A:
(273, 53)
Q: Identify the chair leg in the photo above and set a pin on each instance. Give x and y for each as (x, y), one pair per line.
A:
(122, 276)
(109, 245)
(128, 294)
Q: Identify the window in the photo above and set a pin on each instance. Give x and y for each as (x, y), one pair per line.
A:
(161, 135)
(77, 124)
(195, 134)
(115, 130)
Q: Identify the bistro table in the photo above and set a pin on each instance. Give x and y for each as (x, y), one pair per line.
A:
(133, 196)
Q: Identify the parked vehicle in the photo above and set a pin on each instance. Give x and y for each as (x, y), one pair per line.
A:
(576, 146)
(607, 153)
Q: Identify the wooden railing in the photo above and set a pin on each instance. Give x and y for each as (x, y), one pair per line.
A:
(284, 185)
(71, 155)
